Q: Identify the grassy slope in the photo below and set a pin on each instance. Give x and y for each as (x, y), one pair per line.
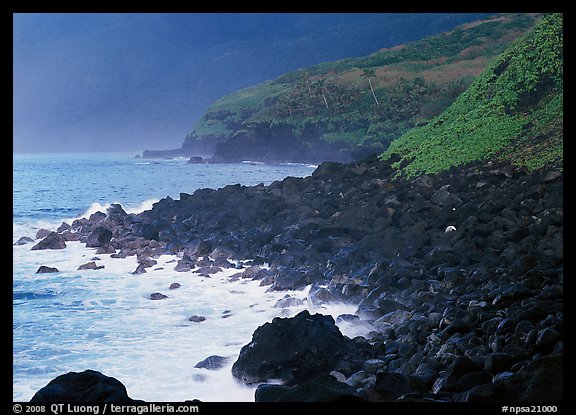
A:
(413, 83)
(513, 111)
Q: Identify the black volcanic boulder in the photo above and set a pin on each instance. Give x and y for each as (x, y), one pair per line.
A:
(115, 214)
(213, 362)
(46, 270)
(196, 160)
(293, 350)
(23, 240)
(90, 265)
(329, 169)
(541, 380)
(99, 237)
(87, 386)
(324, 388)
(51, 241)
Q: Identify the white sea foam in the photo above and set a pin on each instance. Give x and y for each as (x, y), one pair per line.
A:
(95, 207)
(146, 205)
(314, 166)
(171, 159)
(102, 207)
(104, 320)
(30, 228)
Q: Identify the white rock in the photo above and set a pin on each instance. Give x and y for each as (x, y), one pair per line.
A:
(339, 376)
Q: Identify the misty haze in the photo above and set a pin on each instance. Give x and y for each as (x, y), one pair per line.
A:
(130, 82)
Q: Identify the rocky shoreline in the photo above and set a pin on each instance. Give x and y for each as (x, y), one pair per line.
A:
(460, 273)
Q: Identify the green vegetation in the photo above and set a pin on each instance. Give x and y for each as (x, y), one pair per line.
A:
(361, 105)
(513, 111)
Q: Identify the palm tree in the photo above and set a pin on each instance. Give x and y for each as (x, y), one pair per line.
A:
(321, 83)
(369, 73)
(307, 80)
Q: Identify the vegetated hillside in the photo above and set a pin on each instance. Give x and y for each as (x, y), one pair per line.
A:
(347, 109)
(513, 111)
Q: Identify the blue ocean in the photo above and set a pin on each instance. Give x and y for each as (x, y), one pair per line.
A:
(103, 320)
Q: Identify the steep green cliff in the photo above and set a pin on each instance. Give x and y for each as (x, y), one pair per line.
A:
(513, 111)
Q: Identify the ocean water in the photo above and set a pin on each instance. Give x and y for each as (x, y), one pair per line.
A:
(103, 319)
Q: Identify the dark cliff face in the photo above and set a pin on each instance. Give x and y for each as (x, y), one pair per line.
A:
(279, 143)
(203, 148)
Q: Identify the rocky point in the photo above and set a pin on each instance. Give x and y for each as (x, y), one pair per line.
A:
(460, 274)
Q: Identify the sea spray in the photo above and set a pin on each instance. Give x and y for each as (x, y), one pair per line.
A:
(104, 320)
(128, 208)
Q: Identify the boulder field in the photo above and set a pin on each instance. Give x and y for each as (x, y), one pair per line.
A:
(460, 274)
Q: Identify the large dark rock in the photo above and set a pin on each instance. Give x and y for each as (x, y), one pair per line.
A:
(318, 296)
(197, 319)
(324, 388)
(207, 271)
(270, 392)
(214, 362)
(185, 264)
(542, 380)
(461, 366)
(52, 241)
(445, 198)
(152, 230)
(97, 217)
(106, 249)
(390, 386)
(290, 280)
(42, 233)
(23, 240)
(196, 160)
(87, 386)
(291, 349)
(43, 269)
(99, 237)
(63, 227)
(473, 379)
(140, 269)
(327, 169)
(115, 214)
(90, 265)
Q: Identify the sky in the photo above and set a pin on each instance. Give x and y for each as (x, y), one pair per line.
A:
(86, 82)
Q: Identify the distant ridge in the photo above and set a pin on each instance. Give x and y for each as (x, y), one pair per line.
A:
(347, 109)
